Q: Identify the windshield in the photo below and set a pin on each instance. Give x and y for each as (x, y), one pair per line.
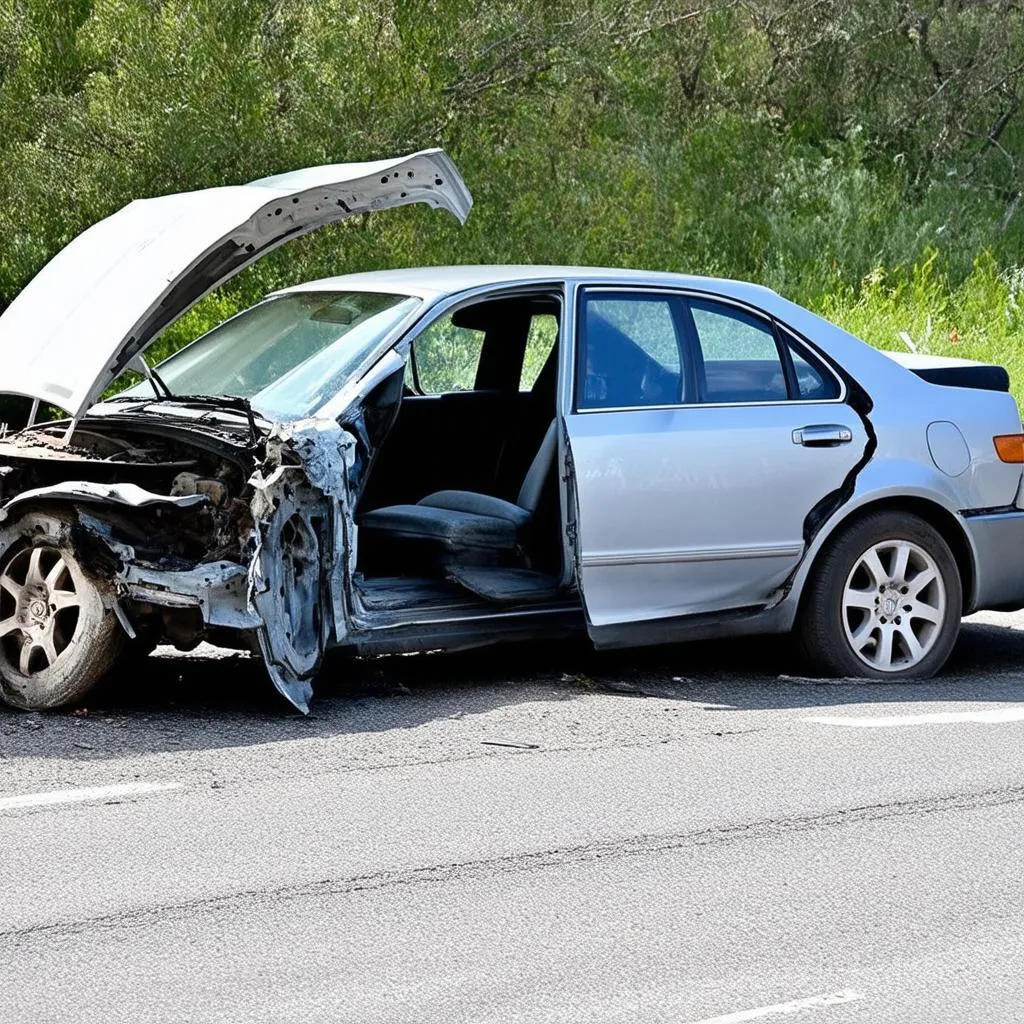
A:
(288, 355)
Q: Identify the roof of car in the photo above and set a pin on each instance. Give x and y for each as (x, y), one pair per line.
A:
(434, 282)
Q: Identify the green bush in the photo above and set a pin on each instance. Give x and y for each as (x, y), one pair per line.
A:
(979, 317)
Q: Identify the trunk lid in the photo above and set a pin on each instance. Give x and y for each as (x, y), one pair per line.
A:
(953, 372)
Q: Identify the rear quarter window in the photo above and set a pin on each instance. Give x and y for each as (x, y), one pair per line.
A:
(742, 362)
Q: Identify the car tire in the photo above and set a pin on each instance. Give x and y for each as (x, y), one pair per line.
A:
(883, 602)
(58, 637)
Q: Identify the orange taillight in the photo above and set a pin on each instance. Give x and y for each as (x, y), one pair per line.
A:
(1010, 447)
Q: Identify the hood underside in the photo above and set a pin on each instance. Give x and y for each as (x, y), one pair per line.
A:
(105, 297)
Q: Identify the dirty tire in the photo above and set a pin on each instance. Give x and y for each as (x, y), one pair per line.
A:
(57, 639)
(884, 601)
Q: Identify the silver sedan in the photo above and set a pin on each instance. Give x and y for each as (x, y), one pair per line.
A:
(440, 458)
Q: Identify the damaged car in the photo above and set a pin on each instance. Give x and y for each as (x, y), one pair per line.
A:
(440, 458)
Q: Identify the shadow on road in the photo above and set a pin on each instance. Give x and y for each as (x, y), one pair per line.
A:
(201, 701)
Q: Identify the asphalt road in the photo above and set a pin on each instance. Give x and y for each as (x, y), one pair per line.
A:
(689, 834)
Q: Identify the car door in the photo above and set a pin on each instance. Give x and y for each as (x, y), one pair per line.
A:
(700, 439)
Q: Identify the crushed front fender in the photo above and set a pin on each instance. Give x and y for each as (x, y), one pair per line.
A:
(300, 568)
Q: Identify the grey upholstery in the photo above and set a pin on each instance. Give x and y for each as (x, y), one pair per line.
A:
(477, 504)
(533, 482)
(451, 528)
(504, 585)
(464, 522)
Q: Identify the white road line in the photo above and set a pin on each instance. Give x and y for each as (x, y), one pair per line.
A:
(991, 716)
(847, 995)
(78, 796)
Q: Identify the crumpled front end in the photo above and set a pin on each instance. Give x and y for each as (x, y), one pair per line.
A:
(243, 549)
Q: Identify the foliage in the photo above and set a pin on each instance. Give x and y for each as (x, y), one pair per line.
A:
(803, 143)
(981, 317)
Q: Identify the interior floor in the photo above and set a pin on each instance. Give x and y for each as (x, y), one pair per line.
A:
(492, 589)
(393, 593)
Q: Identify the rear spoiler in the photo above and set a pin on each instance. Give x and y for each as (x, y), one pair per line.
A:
(971, 375)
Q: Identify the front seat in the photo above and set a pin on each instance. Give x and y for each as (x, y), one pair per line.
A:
(465, 527)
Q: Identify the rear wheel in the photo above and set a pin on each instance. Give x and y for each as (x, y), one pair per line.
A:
(57, 637)
(884, 602)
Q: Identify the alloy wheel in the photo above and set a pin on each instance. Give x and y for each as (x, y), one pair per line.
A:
(40, 609)
(893, 605)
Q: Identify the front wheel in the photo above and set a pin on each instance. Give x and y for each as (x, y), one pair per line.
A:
(884, 602)
(57, 637)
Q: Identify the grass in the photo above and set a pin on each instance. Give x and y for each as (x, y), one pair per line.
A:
(981, 317)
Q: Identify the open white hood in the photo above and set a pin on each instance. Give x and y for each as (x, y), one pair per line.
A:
(105, 297)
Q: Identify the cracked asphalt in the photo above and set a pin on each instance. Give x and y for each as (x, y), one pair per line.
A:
(541, 833)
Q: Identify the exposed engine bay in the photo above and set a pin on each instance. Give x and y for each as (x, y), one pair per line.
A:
(162, 460)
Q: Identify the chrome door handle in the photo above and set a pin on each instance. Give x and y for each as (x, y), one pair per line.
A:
(822, 435)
